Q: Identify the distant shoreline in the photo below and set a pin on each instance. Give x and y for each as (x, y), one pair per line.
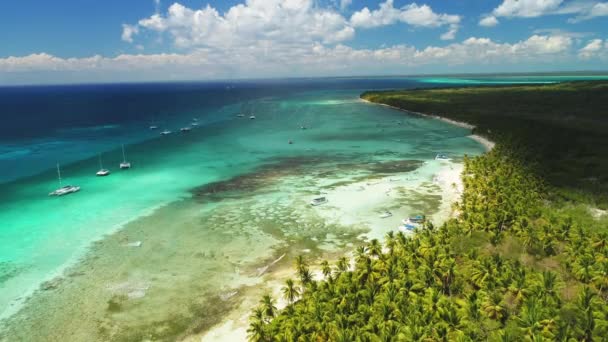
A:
(487, 143)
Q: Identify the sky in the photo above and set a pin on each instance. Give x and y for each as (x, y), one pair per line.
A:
(83, 41)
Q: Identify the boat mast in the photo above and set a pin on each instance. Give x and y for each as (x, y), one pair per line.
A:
(100, 165)
(59, 174)
(124, 159)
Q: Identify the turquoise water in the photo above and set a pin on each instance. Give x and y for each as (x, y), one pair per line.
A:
(41, 235)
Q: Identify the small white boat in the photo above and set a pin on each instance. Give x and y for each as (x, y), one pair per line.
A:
(63, 189)
(318, 201)
(194, 119)
(153, 127)
(303, 127)
(102, 172)
(165, 132)
(194, 124)
(240, 115)
(125, 164)
(442, 156)
(386, 214)
(185, 129)
(252, 117)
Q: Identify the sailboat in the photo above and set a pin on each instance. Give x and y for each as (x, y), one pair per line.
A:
(125, 164)
(102, 171)
(63, 190)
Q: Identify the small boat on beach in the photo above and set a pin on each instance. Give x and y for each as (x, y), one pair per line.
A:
(318, 201)
(407, 228)
(124, 164)
(442, 156)
(386, 214)
(417, 219)
(165, 132)
(102, 172)
(63, 189)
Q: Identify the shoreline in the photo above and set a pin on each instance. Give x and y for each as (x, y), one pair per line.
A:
(487, 143)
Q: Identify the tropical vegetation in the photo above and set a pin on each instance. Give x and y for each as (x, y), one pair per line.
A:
(512, 266)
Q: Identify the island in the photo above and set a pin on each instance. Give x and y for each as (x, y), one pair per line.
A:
(525, 258)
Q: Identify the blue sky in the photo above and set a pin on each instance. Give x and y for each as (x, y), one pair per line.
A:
(117, 40)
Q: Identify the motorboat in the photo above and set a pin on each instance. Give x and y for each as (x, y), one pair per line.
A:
(153, 127)
(386, 214)
(417, 219)
(318, 201)
(240, 115)
(252, 117)
(124, 164)
(442, 156)
(185, 129)
(165, 132)
(63, 189)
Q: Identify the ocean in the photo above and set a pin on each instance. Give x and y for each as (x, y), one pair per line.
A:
(202, 217)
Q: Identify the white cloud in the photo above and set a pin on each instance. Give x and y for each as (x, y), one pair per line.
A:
(253, 23)
(592, 49)
(313, 59)
(128, 31)
(582, 9)
(596, 10)
(345, 3)
(451, 33)
(412, 14)
(488, 21)
(526, 8)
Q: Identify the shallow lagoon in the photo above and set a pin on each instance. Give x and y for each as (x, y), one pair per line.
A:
(213, 209)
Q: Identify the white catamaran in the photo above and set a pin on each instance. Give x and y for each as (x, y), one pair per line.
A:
(125, 164)
(102, 171)
(63, 190)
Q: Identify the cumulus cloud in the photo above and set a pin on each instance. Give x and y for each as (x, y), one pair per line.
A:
(128, 31)
(282, 22)
(488, 21)
(596, 10)
(412, 14)
(252, 23)
(526, 8)
(313, 59)
(592, 49)
(581, 9)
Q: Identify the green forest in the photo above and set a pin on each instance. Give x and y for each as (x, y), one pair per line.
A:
(525, 260)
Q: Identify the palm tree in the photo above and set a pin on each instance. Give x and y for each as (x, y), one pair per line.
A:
(268, 306)
(494, 307)
(290, 291)
(326, 269)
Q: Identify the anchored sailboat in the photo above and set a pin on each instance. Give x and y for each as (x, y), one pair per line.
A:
(125, 164)
(63, 190)
(102, 171)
